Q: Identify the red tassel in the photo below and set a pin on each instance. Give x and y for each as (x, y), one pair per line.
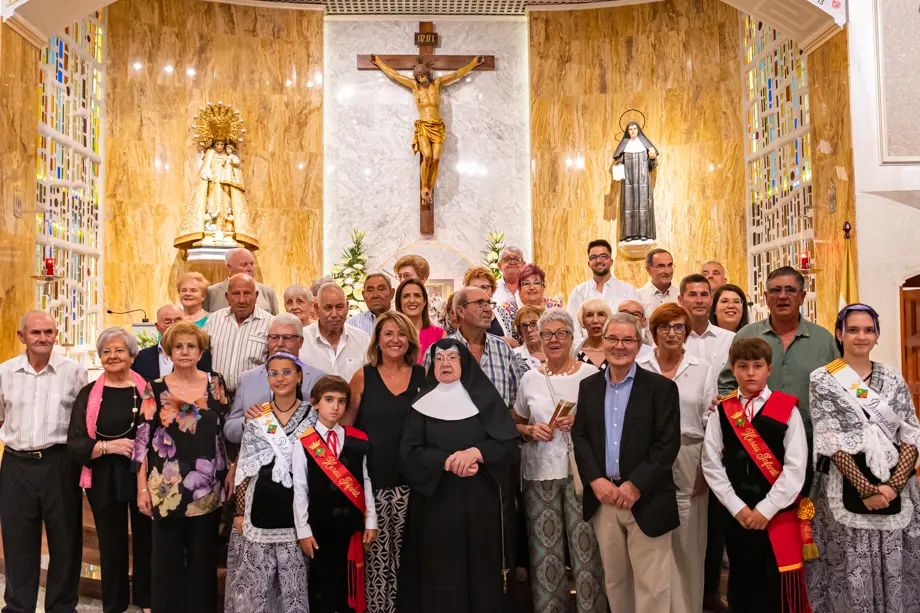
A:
(795, 592)
(356, 598)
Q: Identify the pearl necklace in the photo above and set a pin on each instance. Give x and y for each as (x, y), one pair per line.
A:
(562, 374)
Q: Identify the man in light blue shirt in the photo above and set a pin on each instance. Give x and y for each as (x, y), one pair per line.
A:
(378, 294)
(616, 398)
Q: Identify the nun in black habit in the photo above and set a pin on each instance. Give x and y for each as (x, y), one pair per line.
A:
(456, 453)
(638, 157)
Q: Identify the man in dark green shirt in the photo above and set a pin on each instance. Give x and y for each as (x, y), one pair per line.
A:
(799, 346)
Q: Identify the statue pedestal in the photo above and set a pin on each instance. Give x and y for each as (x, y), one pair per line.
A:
(208, 254)
(636, 250)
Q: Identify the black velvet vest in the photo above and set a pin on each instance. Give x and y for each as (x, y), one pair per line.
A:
(748, 482)
(330, 509)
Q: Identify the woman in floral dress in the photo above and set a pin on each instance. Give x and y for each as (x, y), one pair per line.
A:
(182, 464)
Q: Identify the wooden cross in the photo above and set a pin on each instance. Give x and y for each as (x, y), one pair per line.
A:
(427, 40)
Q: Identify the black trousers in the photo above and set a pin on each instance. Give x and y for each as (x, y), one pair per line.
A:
(111, 518)
(34, 491)
(184, 570)
(754, 584)
(715, 547)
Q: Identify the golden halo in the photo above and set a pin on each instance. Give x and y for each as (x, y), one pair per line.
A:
(217, 122)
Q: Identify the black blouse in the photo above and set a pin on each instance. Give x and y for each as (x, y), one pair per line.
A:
(118, 418)
(382, 416)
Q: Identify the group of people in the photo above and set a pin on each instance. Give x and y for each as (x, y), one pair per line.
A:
(424, 454)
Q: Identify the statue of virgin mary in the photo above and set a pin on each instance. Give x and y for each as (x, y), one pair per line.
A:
(634, 160)
(216, 215)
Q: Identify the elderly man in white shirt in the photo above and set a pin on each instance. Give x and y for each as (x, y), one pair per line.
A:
(697, 389)
(706, 340)
(329, 345)
(602, 284)
(39, 481)
(511, 263)
(659, 290)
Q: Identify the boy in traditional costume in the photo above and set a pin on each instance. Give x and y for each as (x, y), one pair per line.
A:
(333, 500)
(755, 455)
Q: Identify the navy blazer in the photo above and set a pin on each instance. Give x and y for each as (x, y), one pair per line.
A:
(147, 363)
(649, 446)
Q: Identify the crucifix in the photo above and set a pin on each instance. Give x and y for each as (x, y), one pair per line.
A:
(428, 140)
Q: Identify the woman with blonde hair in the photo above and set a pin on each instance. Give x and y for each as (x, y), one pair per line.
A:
(592, 315)
(381, 395)
(192, 288)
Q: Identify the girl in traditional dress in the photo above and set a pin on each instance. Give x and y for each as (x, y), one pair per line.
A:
(456, 454)
(867, 500)
(266, 569)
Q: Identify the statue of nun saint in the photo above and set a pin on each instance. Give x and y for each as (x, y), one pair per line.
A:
(634, 160)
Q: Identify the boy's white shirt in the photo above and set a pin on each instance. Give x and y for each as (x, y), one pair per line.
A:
(302, 491)
(795, 462)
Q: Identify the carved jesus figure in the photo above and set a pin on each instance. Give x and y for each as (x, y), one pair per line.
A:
(429, 129)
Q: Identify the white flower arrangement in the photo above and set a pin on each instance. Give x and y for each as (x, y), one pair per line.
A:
(349, 274)
(493, 251)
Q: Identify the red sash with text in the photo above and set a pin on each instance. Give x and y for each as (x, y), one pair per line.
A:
(789, 531)
(353, 489)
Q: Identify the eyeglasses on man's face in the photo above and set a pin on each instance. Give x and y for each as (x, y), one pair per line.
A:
(481, 304)
(779, 290)
(287, 338)
(512, 259)
(626, 342)
(598, 257)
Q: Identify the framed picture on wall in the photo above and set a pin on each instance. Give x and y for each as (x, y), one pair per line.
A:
(442, 288)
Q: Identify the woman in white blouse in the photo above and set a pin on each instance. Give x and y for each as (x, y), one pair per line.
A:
(551, 502)
(670, 325)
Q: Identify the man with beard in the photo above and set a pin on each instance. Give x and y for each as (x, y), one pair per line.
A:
(660, 267)
(378, 294)
(602, 285)
(329, 345)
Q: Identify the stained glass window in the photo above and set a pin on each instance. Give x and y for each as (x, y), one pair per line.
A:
(69, 171)
(777, 153)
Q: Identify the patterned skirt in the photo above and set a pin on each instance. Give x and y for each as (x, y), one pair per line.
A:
(861, 570)
(555, 517)
(383, 557)
(265, 577)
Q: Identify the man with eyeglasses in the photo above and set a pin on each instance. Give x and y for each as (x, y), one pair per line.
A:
(499, 362)
(799, 346)
(602, 284)
(285, 333)
(660, 267)
(626, 438)
(152, 363)
(511, 263)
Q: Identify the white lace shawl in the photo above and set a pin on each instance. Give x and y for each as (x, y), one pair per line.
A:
(837, 427)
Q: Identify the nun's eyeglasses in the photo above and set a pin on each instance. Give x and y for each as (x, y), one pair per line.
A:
(447, 358)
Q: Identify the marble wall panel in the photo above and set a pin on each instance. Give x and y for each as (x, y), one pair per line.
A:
(833, 178)
(268, 64)
(19, 62)
(372, 179)
(678, 62)
(900, 64)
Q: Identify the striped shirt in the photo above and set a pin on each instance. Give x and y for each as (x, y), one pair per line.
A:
(237, 347)
(502, 366)
(35, 406)
(363, 321)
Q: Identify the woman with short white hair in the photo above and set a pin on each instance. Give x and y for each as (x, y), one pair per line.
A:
(101, 438)
(544, 412)
(592, 315)
(298, 301)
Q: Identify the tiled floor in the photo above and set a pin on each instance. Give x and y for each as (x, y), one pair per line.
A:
(86, 605)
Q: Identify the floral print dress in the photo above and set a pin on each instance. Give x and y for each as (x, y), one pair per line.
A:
(183, 443)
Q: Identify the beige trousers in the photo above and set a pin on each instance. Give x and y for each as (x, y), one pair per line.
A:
(637, 568)
(689, 540)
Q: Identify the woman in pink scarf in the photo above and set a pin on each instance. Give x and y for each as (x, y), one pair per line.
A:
(101, 437)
